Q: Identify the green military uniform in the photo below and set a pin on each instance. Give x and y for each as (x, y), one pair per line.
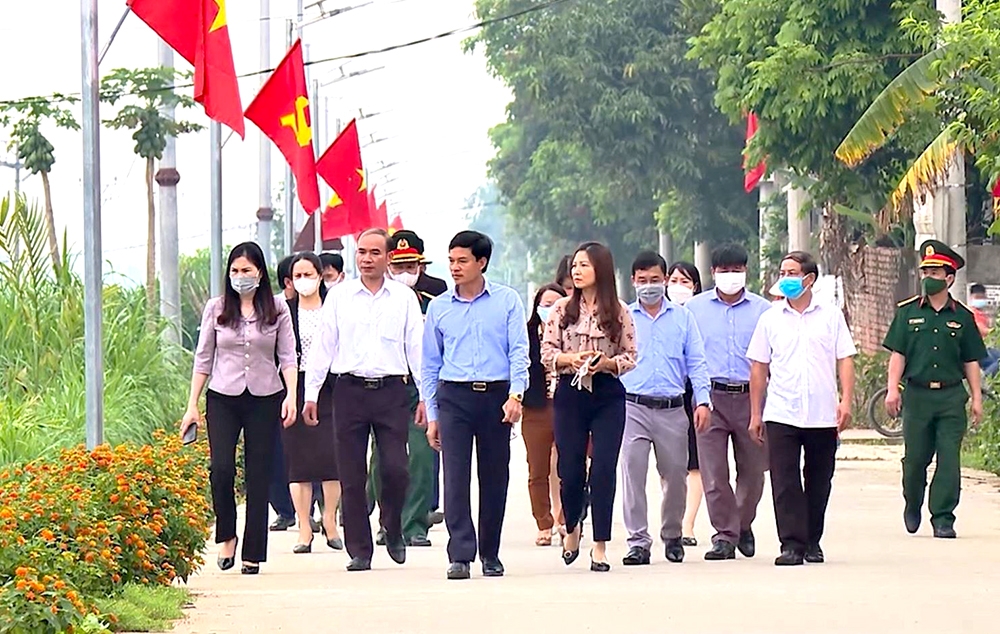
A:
(936, 346)
(408, 247)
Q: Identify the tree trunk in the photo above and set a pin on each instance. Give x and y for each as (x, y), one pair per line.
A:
(50, 222)
(150, 238)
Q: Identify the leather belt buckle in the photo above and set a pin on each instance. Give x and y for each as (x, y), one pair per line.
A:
(479, 386)
(934, 385)
(372, 384)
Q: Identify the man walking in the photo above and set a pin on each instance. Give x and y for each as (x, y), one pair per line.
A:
(670, 353)
(370, 342)
(475, 371)
(935, 344)
(727, 316)
(798, 349)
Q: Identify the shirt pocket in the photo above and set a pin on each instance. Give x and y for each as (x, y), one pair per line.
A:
(392, 328)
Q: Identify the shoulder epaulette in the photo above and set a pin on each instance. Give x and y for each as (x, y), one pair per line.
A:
(907, 301)
(426, 294)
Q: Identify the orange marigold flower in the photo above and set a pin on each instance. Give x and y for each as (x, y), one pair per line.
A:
(21, 571)
(47, 535)
(21, 584)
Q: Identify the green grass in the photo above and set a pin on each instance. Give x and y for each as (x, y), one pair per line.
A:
(146, 608)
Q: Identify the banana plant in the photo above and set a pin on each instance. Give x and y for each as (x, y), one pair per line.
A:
(25, 120)
(145, 93)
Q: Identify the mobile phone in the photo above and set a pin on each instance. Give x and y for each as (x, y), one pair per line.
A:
(190, 435)
(594, 360)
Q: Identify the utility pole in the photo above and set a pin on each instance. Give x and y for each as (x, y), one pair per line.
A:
(953, 207)
(265, 214)
(167, 178)
(799, 236)
(93, 283)
(703, 260)
(215, 129)
(666, 246)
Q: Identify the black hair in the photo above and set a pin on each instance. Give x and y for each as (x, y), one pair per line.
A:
(535, 321)
(647, 260)
(564, 268)
(284, 270)
(479, 243)
(805, 260)
(729, 254)
(317, 263)
(263, 299)
(977, 289)
(332, 259)
(689, 270)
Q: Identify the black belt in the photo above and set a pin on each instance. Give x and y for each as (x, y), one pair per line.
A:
(480, 386)
(376, 383)
(933, 385)
(656, 402)
(731, 388)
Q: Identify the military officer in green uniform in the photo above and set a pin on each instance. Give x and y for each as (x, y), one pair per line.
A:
(405, 265)
(935, 345)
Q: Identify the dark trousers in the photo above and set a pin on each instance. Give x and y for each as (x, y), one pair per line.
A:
(278, 494)
(465, 415)
(258, 418)
(357, 413)
(579, 416)
(800, 511)
(436, 494)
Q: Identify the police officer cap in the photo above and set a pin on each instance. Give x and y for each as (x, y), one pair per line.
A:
(406, 247)
(934, 253)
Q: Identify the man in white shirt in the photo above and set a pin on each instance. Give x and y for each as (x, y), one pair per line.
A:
(371, 343)
(798, 349)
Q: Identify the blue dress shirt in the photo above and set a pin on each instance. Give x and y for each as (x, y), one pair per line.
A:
(726, 332)
(670, 353)
(483, 339)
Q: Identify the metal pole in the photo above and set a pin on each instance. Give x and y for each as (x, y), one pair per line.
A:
(216, 222)
(167, 178)
(265, 214)
(318, 214)
(289, 191)
(954, 204)
(92, 273)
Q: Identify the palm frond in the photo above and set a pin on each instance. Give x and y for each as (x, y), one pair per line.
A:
(930, 168)
(888, 111)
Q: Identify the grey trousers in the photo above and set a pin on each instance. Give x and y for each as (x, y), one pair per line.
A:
(731, 512)
(666, 431)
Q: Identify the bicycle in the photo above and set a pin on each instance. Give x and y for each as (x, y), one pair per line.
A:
(892, 426)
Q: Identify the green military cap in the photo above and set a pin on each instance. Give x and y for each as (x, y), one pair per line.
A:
(406, 247)
(937, 253)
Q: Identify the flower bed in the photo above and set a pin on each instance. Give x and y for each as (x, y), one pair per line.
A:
(82, 526)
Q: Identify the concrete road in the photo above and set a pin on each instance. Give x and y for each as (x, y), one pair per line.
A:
(877, 578)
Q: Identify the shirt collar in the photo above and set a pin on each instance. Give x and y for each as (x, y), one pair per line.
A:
(715, 297)
(487, 290)
(360, 288)
(813, 305)
(665, 306)
(949, 305)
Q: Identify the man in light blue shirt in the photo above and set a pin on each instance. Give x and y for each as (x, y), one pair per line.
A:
(670, 353)
(475, 371)
(727, 316)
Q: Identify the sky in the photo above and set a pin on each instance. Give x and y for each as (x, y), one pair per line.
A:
(437, 104)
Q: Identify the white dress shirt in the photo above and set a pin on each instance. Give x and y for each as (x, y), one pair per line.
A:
(367, 334)
(802, 350)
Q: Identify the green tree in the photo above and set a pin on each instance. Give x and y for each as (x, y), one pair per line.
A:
(25, 120)
(147, 91)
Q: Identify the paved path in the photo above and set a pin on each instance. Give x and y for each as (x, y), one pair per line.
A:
(877, 578)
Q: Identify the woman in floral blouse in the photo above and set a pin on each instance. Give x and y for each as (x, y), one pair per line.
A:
(589, 341)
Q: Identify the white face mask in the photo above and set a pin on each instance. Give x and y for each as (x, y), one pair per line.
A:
(330, 284)
(306, 286)
(410, 279)
(679, 294)
(731, 283)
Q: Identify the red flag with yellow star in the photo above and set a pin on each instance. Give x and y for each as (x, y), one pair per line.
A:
(198, 31)
(396, 224)
(281, 111)
(340, 166)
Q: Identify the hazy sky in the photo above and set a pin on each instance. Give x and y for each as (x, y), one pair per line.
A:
(439, 104)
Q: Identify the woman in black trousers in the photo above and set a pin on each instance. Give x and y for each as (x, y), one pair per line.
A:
(241, 333)
(589, 341)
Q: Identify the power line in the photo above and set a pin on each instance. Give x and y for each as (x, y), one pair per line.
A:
(71, 97)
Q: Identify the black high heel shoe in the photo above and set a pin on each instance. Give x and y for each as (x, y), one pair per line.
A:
(303, 549)
(250, 569)
(599, 566)
(225, 563)
(335, 544)
(569, 556)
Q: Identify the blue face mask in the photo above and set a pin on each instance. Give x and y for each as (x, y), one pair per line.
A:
(978, 303)
(544, 312)
(791, 287)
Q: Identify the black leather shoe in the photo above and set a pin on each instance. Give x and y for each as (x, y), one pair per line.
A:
(282, 524)
(492, 567)
(459, 570)
(675, 550)
(315, 526)
(598, 566)
(226, 563)
(814, 554)
(721, 550)
(418, 541)
(789, 558)
(380, 538)
(689, 541)
(358, 564)
(303, 549)
(396, 549)
(434, 518)
(945, 532)
(911, 519)
(250, 569)
(637, 556)
(747, 544)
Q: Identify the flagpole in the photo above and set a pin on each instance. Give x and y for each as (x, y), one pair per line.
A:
(92, 254)
(265, 213)
(167, 178)
(289, 194)
(216, 212)
(318, 214)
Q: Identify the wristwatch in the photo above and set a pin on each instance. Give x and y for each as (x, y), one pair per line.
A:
(516, 397)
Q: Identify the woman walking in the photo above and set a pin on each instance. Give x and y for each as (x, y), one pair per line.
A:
(241, 333)
(589, 341)
(309, 449)
(536, 423)
(683, 283)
